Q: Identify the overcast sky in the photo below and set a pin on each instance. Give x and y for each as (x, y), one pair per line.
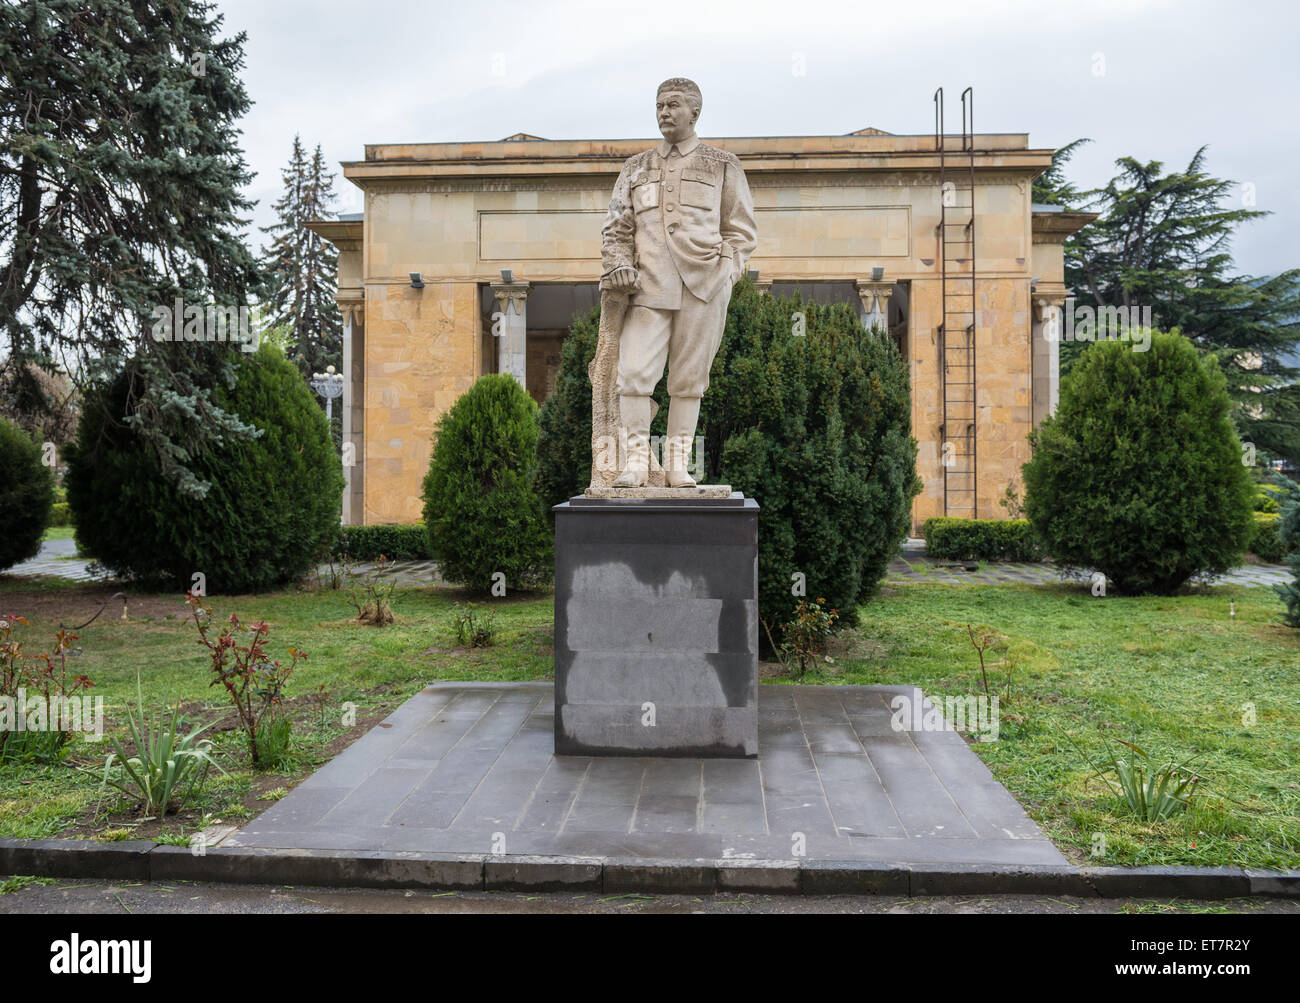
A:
(1152, 79)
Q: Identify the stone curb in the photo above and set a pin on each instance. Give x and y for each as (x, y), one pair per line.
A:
(145, 861)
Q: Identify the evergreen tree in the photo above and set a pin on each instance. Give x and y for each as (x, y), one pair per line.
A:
(1163, 241)
(304, 266)
(1052, 187)
(816, 427)
(120, 173)
(1138, 474)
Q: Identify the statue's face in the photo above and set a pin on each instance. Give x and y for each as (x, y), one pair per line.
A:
(676, 116)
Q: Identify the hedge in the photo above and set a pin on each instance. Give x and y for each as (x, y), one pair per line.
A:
(1265, 542)
(61, 514)
(408, 542)
(980, 540)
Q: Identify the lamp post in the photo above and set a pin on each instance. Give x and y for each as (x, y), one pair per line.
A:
(329, 385)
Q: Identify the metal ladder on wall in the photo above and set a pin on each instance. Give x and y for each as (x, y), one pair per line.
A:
(957, 327)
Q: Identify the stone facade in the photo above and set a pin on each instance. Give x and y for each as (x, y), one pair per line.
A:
(830, 210)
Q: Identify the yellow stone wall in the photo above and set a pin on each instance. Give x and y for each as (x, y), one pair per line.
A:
(422, 352)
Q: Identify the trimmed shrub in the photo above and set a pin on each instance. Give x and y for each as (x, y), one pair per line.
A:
(273, 505)
(980, 540)
(26, 495)
(815, 426)
(397, 542)
(1267, 497)
(61, 514)
(480, 506)
(1265, 541)
(1138, 474)
(1288, 532)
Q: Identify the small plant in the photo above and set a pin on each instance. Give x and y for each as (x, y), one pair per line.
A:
(254, 681)
(333, 570)
(986, 640)
(319, 699)
(804, 636)
(273, 742)
(1153, 793)
(371, 594)
(474, 629)
(28, 676)
(1011, 501)
(166, 763)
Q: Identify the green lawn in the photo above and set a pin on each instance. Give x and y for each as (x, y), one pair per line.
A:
(1173, 674)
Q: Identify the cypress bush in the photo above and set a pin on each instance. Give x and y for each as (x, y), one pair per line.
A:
(1139, 473)
(272, 508)
(26, 495)
(480, 504)
(564, 422)
(1288, 531)
(1265, 538)
(815, 426)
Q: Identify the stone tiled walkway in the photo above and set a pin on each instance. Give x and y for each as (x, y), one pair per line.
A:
(469, 768)
(915, 566)
(58, 557)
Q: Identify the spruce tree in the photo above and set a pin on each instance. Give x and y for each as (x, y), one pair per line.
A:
(304, 266)
(120, 179)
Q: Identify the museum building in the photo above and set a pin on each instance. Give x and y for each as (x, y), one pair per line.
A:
(472, 258)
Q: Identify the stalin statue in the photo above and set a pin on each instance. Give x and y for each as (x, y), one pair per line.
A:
(679, 232)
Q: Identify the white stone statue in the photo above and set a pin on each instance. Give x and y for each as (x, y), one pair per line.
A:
(678, 235)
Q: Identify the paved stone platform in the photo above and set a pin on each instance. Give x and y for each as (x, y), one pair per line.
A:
(468, 768)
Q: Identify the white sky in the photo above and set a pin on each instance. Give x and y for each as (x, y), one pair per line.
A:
(1177, 75)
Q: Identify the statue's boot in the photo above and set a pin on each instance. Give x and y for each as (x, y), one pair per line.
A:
(636, 413)
(683, 415)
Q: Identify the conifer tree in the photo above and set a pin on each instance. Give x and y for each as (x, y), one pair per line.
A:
(1163, 240)
(120, 179)
(304, 266)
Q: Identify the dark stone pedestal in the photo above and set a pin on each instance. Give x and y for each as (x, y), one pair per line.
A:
(656, 627)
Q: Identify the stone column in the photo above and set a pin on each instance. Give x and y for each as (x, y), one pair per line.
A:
(353, 416)
(875, 302)
(510, 325)
(1046, 352)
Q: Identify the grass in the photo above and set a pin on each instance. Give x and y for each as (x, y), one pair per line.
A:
(374, 669)
(1174, 675)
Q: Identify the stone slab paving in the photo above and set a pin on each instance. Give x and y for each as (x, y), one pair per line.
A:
(469, 768)
(58, 558)
(913, 565)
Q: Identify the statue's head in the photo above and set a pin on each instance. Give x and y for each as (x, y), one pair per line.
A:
(677, 106)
